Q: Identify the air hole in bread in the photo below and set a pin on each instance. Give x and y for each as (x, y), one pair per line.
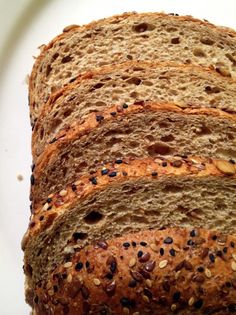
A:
(172, 189)
(41, 133)
(130, 57)
(167, 138)
(66, 59)
(206, 41)
(147, 83)
(180, 208)
(227, 154)
(231, 58)
(230, 136)
(134, 80)
(159, 148)
(203, 130)
(175, 40)
(48, 70)
(134, 94)
(163, 124)
(143, 27)
(80, 236)
(198, 52)
(67, 112)
(150, 138)
(93, 217)
(171, 29)
(212, 90)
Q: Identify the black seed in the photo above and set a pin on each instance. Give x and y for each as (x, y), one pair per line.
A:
(232, 244)
(79, 266)
(126, 244)
(198, 304)
(49, 200)
(154, 174)
(109, 276)
(99, 118)
(118, 161)
(53, 140)
(113, 113)
(193, 233)
(125, 302)
(132, 283)
(73, 187)
(214, 237)
(148, 293)
(200, 269)
(49, 208)
(32, 180)
(93, 180)
(143, 243)
(87, 264)
(176, 296)
(105, 171)
(112, 174)
(190, 243)
(225, 249)
(219, 253)
(228, 284)
(113, 266)
(140, 253)
(125, 105)
(36, 299)
(124, 173)
(162, 251)
(212, 258)
(172, 252)
(168, 240)
(232, 161)
(164, 164)
(134, 244)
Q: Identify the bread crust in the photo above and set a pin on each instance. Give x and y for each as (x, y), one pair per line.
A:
(163, 272)
(113, 19)
(128, 169)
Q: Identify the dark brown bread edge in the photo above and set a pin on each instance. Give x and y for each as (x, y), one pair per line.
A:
(164, 272)
(113, 19)
(56, 204)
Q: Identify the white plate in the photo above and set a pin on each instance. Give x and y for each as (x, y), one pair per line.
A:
(30, 24)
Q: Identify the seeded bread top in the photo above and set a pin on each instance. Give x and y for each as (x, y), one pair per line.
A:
(173, 270)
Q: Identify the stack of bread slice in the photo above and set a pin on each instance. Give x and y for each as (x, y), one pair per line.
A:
(133, 184)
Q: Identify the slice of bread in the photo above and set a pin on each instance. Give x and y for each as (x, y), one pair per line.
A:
(131, 36)
(128, 196)
(137, 130)
(185, 85)
(188, 272)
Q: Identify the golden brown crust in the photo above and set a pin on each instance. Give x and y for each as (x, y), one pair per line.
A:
(113, 19)
(127, 169)
(163, 272)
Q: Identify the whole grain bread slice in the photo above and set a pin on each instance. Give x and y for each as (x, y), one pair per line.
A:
(131, 36)
(185, 85)
(163, 272)
(129, 196)
(137, 130)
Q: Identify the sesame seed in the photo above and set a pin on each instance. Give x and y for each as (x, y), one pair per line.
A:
(110, 288)
(168, 240)
(96, 281)
(50, 292)
(172, 252)
(125, 310)
(212, 258)
(118, 161)
(45, 207)
(149, 266)
(63, 192)
(234, 256)
(191, 301)
(173, 307)
(140, 253)
(148, 283)
(78, 266)
(112, 174)
(163, 264)
(68, 264)
(177, 274)
(233, 265)
(198, 304)
(132, 262)
(126, 244)
(207, 273)
(154, 247)
(162, 251)
(93, 180)
(99, 118)
(125, 105)
(104, 171)
(146, 299)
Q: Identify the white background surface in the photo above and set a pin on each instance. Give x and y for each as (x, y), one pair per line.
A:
(24, 25)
